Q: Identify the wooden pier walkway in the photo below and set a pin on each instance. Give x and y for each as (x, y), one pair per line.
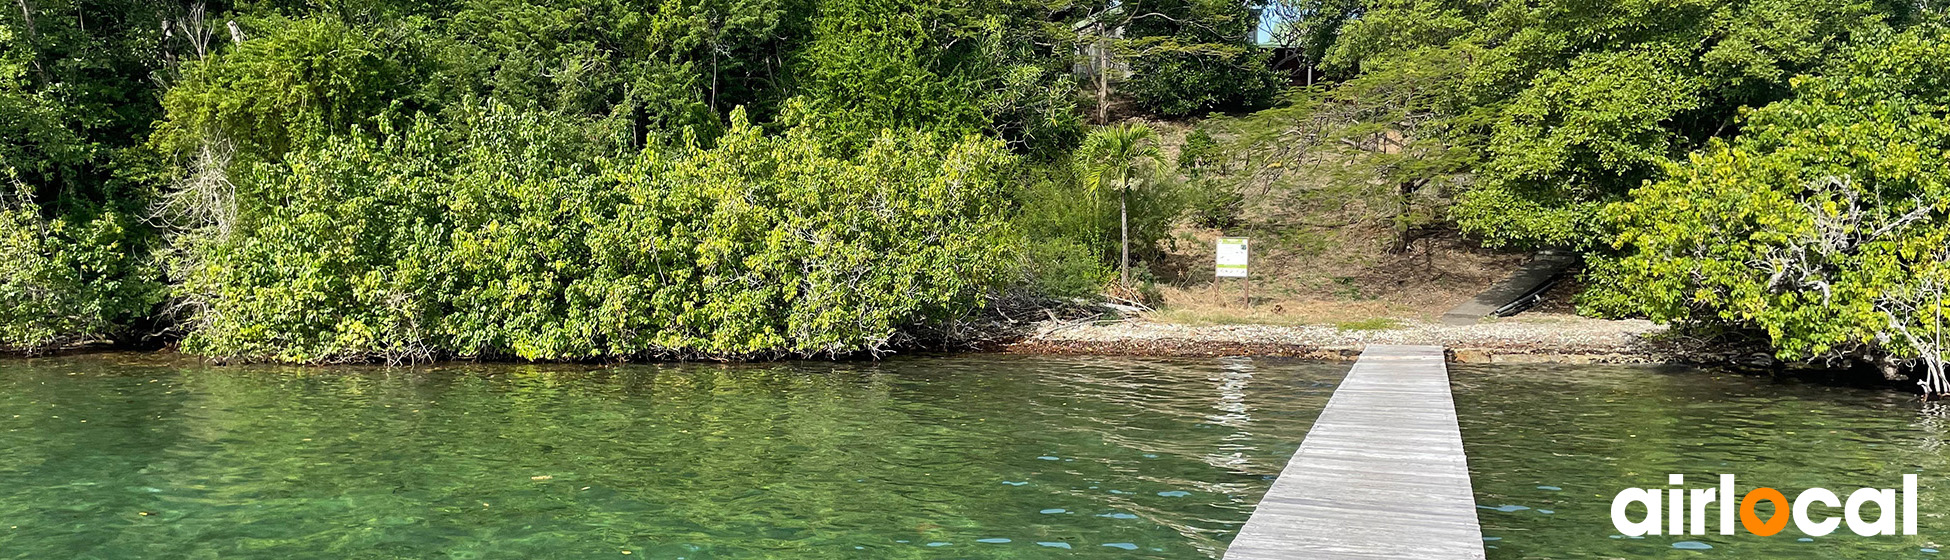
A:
(1380, 475)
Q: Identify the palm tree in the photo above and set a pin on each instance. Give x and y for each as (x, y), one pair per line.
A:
(1123, 156)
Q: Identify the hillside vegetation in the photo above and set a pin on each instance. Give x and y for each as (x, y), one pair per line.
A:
(564, 179)
(602, 179)
(1759, 167)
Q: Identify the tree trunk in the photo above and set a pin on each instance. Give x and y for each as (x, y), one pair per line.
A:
(27, 14)
(1124, 226)
(33, 39)
(717, 34)
(1103, 76)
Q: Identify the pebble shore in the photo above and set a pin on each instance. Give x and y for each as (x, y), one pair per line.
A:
(1554, 338)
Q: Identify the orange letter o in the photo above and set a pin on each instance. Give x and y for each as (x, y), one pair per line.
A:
(1752, 521)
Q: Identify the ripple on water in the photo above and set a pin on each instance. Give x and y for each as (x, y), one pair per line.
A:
(1504, 508)
(1601, 429)
(655, 448)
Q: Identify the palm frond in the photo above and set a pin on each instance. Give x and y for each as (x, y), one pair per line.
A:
(1120, 151)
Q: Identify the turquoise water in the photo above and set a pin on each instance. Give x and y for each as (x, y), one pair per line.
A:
(1549, 446)
(135, 456)
(138, 456)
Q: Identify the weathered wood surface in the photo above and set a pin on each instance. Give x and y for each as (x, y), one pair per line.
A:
(1380, 475)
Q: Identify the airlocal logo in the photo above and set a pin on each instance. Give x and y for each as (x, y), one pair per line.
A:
(1678, 499)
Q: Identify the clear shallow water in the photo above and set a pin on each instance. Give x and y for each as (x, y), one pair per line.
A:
(129, 456)
(1549, 446)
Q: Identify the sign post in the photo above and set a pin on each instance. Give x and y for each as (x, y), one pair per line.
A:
(1232, 258)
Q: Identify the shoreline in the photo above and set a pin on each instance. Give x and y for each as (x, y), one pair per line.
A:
(1530, 338)
(1545, 338)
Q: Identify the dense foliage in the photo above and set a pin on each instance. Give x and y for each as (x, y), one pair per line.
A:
(585, 179)
(547, 179)
(64, 281)
(75, 99)
(1572, 104)
(1770, 166)
(513, 238)
(1190, 57)
(1826, 223)
(951, 67)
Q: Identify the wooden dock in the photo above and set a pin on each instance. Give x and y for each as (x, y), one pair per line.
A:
(1380, 475)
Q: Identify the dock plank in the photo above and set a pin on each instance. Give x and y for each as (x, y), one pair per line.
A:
(1381, 475)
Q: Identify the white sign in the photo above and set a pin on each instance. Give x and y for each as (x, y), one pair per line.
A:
(1232, 257)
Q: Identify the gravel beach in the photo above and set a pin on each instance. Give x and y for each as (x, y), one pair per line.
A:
(1528, 338)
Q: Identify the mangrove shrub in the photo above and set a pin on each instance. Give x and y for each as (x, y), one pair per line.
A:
(1826, 224)
(509, 236)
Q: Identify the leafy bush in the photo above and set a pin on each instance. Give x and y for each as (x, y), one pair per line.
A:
(1064, 267)
(512, 236)
(1179, 84)
(66, 282)
(74, 257)
(1069, 234)
(1200, 152)
(1190, 57)
(344, 193)
(1826, 224)
(1213, 203)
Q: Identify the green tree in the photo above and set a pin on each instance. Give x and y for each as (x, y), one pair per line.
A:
(75, 100)
(1188, 57)
(953, 68)
(1122, 158)
(1824, 225)
(1571, 104)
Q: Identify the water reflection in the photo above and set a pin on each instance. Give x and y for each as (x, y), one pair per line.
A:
(1233, 376)
(1550, 445)
(988, 457)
